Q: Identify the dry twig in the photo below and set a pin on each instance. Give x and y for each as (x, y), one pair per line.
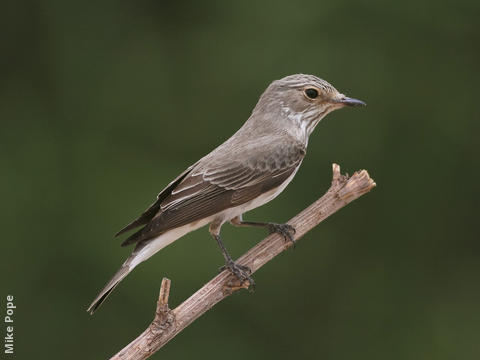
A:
(168, 323)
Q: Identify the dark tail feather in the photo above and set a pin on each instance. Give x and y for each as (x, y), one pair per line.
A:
(119, 276)
(153, 209)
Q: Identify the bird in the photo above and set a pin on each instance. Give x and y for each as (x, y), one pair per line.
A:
(248, 170)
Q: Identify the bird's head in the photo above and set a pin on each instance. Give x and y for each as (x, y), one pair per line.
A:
(302, 100)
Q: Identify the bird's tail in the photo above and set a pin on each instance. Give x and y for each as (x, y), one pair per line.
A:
(142, 252)
(119, 276)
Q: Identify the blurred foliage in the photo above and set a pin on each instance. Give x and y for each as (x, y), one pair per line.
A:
(103, 103)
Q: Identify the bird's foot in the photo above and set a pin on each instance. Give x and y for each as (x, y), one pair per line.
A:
(240, 271)
(287, 231)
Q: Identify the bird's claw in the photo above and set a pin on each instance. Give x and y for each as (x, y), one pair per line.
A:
(287, 231)
(242, 272)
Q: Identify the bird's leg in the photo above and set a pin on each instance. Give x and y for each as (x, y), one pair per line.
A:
(240, 271)
(287, 231)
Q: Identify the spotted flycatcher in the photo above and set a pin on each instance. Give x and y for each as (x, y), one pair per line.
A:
(246, 171)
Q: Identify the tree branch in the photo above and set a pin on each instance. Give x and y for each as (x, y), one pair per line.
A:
(168, 323)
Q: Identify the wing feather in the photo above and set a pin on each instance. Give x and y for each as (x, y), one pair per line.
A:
(153, 209)
(210, 188)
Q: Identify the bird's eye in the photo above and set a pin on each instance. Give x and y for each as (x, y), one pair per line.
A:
(311, 93)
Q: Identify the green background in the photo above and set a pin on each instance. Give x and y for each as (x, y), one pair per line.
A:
(103, 103)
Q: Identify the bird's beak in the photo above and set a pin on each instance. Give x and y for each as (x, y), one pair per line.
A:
(351, 102)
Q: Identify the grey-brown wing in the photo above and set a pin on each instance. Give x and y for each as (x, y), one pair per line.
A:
(209, 190)
(153, 209)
